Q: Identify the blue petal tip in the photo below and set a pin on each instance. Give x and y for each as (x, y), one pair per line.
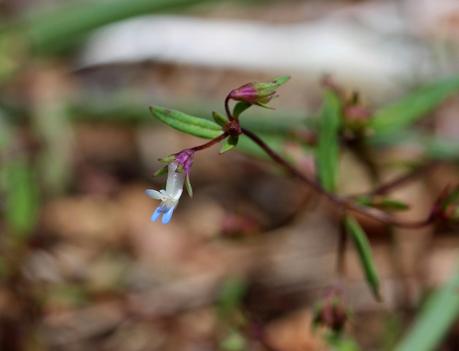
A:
(167, 216)
(156, 214)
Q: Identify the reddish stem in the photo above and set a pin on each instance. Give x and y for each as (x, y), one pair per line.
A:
(403, 179)
(210, 143)
(227, 108)
(340, 202)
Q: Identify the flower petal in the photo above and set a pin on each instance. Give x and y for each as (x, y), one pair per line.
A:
(154, 194)
(168, 215)
(156, 214)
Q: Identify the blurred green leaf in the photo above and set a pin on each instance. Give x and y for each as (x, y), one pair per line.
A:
(17, 182)
(234, 341)
(411, 108)
(363, 248)
(22, 196)
(196, 126)
(51, 30)
(434, 146)
(5, 131)
(441, 148)
(229, 143)
(393, 327)
(327, 151)
(391, 205)
(382, 203)
(437, 316)
(51, 125)
(341, 343)
(230, 296)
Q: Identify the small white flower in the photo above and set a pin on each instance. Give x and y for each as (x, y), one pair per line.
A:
(169, 197)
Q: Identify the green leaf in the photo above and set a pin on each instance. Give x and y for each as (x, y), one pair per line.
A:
(234, 341)
(437, 316)
(441, 148)
(327, 151)
(229, 143)
(219, 119)
(363, 248)
(196, 126)
(22, 197)
(230, 296)
(339, 342)
(411, 108)
(239, 108)
(60, 27)
(391, 205)
(452, 197)
(189, 188)
(382, 203)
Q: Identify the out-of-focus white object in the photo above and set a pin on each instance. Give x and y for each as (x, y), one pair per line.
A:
(369, 46)
(436, 17)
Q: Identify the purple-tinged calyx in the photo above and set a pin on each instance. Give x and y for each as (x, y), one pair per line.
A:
(184, 160)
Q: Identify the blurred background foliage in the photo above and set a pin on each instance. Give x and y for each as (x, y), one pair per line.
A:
(250, 262)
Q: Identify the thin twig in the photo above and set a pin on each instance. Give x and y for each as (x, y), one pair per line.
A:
(403, 179)
(339, 202)
(210, 143)
(227, 108)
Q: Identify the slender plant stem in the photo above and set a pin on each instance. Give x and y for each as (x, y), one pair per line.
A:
(227, 108)
(210, 143)
(340, 202)
(403, 179)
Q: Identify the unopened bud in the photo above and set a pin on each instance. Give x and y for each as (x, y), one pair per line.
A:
(258, 93)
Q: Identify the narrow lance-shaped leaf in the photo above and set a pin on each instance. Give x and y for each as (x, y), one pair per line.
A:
(327, 151)
(438, 315)
(363, 248)
(62, 26)
(196, 126)
(383, 203)
(230, 296)
(22, 196)
(411, 108)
